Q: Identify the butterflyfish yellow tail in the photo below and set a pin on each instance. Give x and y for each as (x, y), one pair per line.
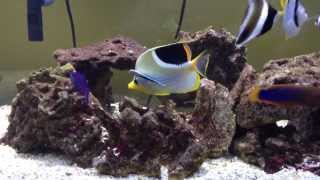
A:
(201, 62)
(254, 94)
(188, 51)
(283, 4)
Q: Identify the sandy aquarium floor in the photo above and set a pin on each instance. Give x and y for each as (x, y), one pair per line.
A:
(14, 166)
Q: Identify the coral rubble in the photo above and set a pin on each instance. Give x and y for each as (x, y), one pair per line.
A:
(48, 115)
(95, 62)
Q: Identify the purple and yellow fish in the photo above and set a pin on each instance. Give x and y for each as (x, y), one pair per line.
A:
(80, 84)
(286, 95)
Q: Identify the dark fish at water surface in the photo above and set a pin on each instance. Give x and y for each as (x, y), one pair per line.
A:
(34, 17)
(286, 95)
(80, 84)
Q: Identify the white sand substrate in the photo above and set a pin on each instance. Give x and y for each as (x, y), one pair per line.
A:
(14, 166)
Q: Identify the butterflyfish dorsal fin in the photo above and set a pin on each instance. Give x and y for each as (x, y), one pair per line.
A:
(188, 51)
(174, 54)
(201, 62)
(283, 4)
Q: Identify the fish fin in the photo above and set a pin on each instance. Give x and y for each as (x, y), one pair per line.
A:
(197, 83)
(188, 51)
(283, 4)
(254, 94)
(286, 37)
(201, 62)
(137, 73)
(162, 94)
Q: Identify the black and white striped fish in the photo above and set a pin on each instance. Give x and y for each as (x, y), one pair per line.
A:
(259, 19)
(295, 15)
(317, 23)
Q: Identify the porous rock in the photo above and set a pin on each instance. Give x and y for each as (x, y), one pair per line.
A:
(147, 139)
(273, 148)
(213, 126)
(213, 117)
(163, 136)
(49, 115)
(119, 53)
(95, 62)
(258, 139)
(226, 60)
(301, 70)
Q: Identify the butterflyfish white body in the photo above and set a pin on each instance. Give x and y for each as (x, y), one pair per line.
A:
(168, 69)
(295, 15)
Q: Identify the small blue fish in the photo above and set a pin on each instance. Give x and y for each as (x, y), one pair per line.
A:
(286, 95)
(34, 17)
(80, 84)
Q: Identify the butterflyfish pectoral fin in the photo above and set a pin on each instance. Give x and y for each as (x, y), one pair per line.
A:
(188, 51)
(155, 80)
(201, 62)
(161, 94)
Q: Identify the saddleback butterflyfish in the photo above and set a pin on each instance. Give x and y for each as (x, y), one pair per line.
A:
(168, 69)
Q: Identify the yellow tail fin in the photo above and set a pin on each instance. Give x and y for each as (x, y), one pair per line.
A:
(188, 51)
(254, 94)
(201, 62)
(283, 4)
